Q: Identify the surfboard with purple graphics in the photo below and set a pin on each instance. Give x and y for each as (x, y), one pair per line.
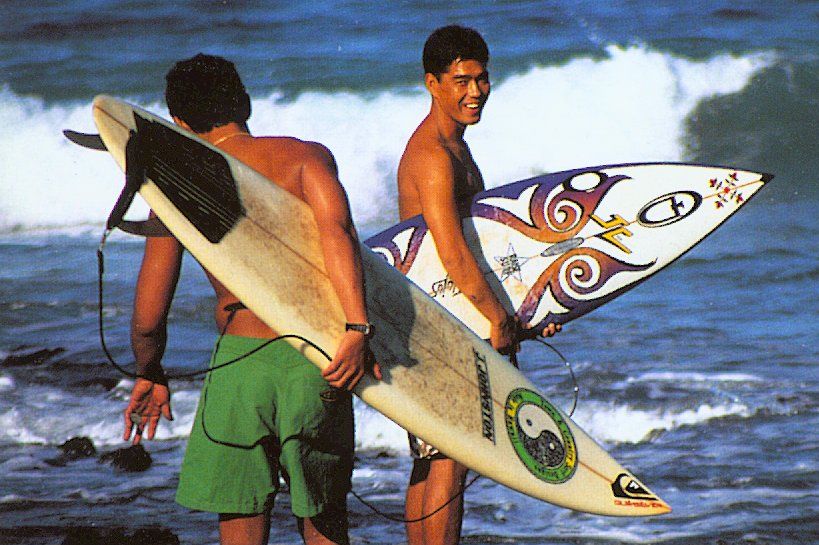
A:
(556, 247)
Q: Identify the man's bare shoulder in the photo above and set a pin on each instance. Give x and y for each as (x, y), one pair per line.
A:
(285, 145)
(282, 153)
(424, 158)
(294, 150)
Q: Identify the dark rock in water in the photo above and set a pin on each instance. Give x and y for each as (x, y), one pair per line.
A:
(119, 536)
(133, 458)
(56, 462)
(73, 449)
(27, 355)
(154, 536)
(78, 447)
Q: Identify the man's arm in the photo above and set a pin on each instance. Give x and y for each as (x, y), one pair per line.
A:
(342, 259)
(436, 190)
(155, 288)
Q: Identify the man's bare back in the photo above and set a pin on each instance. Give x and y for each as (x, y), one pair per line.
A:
(283, 161)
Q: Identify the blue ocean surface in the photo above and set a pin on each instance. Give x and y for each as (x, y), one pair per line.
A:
(703, 380)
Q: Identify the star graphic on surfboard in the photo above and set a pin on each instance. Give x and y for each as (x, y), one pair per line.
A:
(510, 265)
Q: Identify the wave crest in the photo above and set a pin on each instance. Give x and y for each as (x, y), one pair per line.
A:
(630, 106)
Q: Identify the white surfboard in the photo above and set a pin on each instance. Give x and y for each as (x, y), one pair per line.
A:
(441, 381)
(557, 246)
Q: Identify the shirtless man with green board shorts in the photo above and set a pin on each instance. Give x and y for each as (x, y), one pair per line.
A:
(273, 412)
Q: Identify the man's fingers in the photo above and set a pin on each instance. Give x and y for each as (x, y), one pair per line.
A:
(377, 370)
(137, 435)
(330, 370)
(152, 423)
(333, 373)
(347, 377)
(166, 411)
(357, 376)
(335, 376)
(129, 423)
(551, 329)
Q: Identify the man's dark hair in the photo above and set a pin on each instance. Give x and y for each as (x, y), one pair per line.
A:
(451, 43)
(205, 91)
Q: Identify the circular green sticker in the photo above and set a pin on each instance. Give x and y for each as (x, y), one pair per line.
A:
(540, 436)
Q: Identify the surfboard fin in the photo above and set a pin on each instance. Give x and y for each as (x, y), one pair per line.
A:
(134, 178)
(152, 227)
(90, 141)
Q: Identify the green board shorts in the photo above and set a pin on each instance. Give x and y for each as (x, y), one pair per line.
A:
(277, 403)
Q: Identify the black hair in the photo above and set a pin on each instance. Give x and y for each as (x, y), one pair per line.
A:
(450, 43)
(205, 91)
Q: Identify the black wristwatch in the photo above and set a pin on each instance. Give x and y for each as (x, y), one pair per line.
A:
(367, 329)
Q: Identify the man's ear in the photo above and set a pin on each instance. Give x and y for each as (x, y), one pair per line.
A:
(181, 123)
(431, 83)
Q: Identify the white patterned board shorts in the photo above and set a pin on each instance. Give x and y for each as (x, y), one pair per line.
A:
(422, 450)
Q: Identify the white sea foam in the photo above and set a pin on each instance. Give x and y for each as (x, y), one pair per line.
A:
(695, 377)
(374, 431)
(43, 415)
(27, 417)
(15, 427)
(612, 423)
(630, 106)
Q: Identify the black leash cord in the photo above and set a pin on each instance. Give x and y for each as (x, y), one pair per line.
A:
(575, 387)
(394, 518)
(101, 272)
(127, 373)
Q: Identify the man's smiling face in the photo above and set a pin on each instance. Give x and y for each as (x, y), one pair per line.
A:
(462, 90)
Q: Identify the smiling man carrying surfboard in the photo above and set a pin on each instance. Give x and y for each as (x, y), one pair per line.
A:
(257, 428)
(437, 178)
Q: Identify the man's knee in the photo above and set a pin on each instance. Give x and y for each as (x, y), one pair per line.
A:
(239, 529)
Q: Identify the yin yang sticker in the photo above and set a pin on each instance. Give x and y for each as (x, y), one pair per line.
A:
(540, 436)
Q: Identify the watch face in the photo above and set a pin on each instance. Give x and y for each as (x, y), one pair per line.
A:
(366, 329)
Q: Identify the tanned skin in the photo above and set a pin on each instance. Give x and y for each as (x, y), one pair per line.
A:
(306, 170)
(437, 177)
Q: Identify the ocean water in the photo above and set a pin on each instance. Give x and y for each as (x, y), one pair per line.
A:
(703, 380)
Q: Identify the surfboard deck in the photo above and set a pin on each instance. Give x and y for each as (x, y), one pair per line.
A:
(556, 247)
(441, 382)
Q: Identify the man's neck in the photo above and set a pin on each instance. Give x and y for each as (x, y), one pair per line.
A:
(449, 131)
(224, 132)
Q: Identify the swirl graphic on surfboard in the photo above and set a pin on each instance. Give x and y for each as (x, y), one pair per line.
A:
(557, 246)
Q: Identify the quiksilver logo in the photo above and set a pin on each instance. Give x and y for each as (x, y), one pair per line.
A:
(626, 486)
